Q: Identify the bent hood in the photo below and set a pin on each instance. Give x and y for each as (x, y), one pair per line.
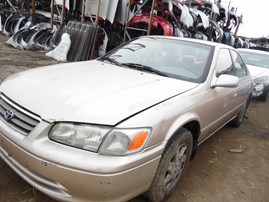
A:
(91, 91)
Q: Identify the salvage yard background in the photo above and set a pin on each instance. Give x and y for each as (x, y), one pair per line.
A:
(233, 165)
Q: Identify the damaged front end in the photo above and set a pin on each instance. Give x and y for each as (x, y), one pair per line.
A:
(261, 87)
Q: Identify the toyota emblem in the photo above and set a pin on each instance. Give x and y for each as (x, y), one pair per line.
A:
(9, 114)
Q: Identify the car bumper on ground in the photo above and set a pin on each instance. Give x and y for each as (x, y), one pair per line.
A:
(84, 179)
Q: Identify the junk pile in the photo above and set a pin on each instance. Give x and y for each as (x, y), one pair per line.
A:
(201, 19)
(83, 39)
(26, 36)
(198, 19)
(97, 26)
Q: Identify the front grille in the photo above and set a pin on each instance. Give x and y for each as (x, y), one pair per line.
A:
(16, 117)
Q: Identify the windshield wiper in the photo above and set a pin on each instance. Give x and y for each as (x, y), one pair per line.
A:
(144, 68)
(113, 61)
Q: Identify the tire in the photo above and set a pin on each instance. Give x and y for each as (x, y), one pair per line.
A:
(172, 166)
(236, 122)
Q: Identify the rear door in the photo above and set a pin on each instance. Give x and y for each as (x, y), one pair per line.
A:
(228, 102)
(240, 70)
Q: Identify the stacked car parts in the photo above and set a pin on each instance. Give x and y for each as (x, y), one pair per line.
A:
(26, 36)
(83, 39)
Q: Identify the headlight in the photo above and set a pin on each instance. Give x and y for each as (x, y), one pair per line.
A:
(101, 139)
(261, 79)
(82, 136)
(121, 142)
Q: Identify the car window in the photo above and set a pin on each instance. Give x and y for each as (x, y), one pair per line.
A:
(240, 69)
(224, 63)
(256, 59)
(178, 59)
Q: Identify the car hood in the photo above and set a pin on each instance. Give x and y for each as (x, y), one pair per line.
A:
(256, 71)
(91, 91)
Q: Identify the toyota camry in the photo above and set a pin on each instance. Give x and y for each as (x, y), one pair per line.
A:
(124, 124)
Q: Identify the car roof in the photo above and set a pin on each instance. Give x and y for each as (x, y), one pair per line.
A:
(253, 51)
(210, 43)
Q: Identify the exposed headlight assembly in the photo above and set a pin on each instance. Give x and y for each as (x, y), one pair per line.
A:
(102, 139)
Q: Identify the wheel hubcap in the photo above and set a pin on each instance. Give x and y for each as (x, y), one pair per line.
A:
(175, 168)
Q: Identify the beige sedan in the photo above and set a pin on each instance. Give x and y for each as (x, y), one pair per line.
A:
(124, 124)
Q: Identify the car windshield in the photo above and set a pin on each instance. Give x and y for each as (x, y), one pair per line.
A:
(177, 59)
(255, 59)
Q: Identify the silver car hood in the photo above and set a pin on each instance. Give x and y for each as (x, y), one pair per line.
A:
(92, 91)
(256, 71)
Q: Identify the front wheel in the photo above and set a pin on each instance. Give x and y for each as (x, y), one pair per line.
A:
(173, 164)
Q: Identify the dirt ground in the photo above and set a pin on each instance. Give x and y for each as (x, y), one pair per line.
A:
(215, 174)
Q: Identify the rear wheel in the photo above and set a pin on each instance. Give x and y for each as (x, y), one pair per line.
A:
(236, 122)
(173, 164)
